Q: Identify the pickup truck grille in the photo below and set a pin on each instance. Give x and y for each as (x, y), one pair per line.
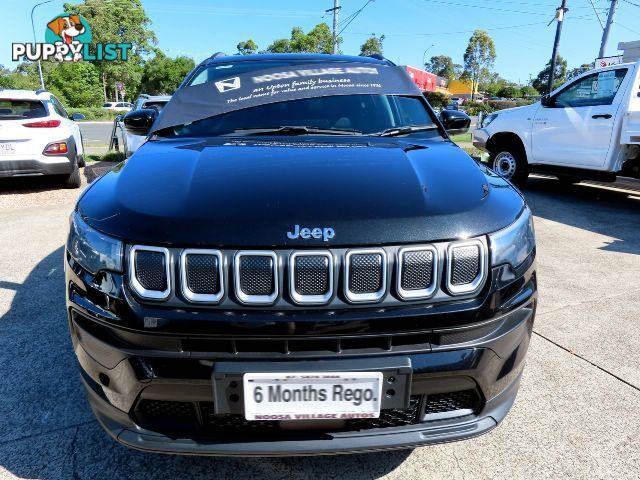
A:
(309, 277)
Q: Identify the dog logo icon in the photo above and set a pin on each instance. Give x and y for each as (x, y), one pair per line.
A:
(228, 84)
(72, 30)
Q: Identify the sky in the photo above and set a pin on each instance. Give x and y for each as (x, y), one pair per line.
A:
(523, 41)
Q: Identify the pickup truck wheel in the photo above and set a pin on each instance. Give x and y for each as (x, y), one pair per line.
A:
(511, 164)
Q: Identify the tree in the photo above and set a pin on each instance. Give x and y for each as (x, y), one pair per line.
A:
(528, 91)
(114, 21)
(318, 40)
(509, 90)
(247, 47)
(77, 83)
(442, 66)
(560, 75)
(478, 58)
(372, 46)
(162, 74)
(575, 72)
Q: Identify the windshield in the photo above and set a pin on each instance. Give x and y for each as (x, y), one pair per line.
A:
(21, 109)
(362, 114)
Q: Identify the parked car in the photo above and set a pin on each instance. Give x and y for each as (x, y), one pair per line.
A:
(117, 106)
(588, 128)
(155, 102)
(286, 270)
(39, 137)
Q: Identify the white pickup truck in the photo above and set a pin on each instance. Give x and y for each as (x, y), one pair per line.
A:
(589, 128)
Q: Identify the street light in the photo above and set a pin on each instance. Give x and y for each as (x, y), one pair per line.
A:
(425, 53)
(33, 28)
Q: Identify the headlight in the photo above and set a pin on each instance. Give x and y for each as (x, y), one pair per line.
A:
(513, 244)
(489, 119)
(93, 250)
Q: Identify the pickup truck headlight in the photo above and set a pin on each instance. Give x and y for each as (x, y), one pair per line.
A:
(93, 250)
(489, 119)
(514, 243)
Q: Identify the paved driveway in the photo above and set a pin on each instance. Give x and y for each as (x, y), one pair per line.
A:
(577, 414)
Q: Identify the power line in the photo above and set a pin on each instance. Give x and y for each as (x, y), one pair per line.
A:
(627, 28)
(631, 3)
(466, 5)
(354, 15)
(597, 14)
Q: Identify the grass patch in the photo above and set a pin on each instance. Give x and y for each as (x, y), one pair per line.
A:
(463, 137)
(107, 157)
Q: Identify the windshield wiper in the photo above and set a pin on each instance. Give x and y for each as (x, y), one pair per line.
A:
(395, 131)
(296, 130)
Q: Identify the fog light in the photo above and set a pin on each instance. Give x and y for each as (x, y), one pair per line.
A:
(57, 148)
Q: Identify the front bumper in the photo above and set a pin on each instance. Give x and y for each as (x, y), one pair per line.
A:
(124, 369)
(480, 138)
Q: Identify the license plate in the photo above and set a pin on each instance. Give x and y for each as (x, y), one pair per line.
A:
(312, 396)
(7, 148)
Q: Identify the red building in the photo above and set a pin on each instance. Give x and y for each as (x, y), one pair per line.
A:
(427, 82)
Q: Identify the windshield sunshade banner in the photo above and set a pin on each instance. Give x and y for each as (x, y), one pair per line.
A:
(282, 84)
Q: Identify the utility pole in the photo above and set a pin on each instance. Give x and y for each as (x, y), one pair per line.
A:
(605, 33)
(560, 17)
(336, 8)
(33, 28)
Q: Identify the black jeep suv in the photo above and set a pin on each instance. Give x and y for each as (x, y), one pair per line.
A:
(299, 261)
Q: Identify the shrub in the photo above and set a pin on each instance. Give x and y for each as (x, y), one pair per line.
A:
(474, 108)
(95, 113)
(437, 99)
(521, 102)
(501, 104)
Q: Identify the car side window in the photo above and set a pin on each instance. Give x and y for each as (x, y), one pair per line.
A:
(57, 106)
(595, 89)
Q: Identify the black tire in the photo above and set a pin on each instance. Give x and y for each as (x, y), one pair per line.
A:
(73, 179)
(81, 162)
(510, 162)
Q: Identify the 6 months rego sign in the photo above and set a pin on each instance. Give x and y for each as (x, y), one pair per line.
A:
(312, 396)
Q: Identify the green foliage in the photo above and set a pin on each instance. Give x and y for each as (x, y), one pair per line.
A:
(478, 58)
(576, 72)
(372, 46)
(442, 66)
(501, 104)
(528, 91)
(247, 47)
(77, 84)
(521, 102)
(560, 75)
(162, 75)
(437, 99)
(93, 113)
(318, 40)
(509, 90)
(474, 108)
(116, 21)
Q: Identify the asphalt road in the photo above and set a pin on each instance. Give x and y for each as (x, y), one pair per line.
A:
(95, 136)
(577, 414)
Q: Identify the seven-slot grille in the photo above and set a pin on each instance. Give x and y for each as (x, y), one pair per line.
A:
(202, 273)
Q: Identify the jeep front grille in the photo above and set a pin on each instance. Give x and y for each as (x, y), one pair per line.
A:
(366, 275)
(201, 275)
(311, 277)
(256, 277)
(296, 278)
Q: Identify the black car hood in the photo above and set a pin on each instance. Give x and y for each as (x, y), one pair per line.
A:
(236, 192)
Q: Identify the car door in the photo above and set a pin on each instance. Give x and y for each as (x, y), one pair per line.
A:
(576, 126)
(71, 124)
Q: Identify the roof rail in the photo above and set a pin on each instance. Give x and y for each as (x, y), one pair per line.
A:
(378, 56)
(42, 90)
(218, 55)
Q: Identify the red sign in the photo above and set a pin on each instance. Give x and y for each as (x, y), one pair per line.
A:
(427, 82)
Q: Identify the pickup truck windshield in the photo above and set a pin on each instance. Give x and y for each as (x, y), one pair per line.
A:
(341, 114)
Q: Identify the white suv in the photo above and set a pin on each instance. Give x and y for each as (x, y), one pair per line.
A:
(39, 137)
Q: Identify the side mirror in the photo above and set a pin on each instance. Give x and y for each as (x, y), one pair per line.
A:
(455, 121)
(138, 122)
(546, 101)
(77, 116)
